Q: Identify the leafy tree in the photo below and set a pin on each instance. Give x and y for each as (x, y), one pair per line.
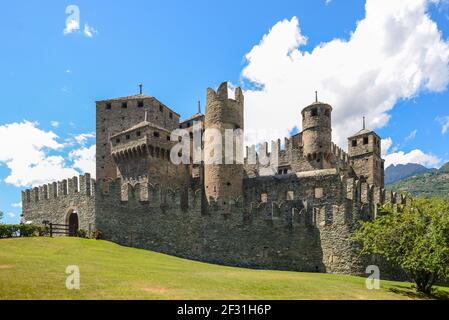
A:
(415, 237)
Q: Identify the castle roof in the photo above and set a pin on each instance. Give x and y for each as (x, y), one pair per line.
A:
(363, 132)
(195, 116)
(137, 97)
(140, 125)
(317, 103)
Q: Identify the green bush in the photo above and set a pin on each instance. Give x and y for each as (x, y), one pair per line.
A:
(97, 235)
(23, 230)
(27, 230)
(81, 233)
(7, 231)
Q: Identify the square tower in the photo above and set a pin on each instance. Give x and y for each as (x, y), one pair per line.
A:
(117, 115)
(365, 157)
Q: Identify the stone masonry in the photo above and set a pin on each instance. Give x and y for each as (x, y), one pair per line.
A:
(298, 214)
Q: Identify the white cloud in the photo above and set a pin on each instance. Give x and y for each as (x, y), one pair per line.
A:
(411, 136)
(54, 124)
(386, 145)
(415, 156)
(394, 53)
(11, 215)
(444, 121)
(17, 205)
(394, 157)
(84, 159)
(82, 138)
(72, 25)
(68, 71)
(33, 156)
(89, 31)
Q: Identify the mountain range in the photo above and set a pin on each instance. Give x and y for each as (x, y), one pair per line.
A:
(418, 180)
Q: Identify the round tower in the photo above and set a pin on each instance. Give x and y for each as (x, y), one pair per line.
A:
(223, 168)
(317, 134)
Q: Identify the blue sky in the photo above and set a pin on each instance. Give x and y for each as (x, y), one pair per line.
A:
(179, 48)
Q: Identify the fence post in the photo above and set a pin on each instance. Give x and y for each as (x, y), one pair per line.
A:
(51, 230)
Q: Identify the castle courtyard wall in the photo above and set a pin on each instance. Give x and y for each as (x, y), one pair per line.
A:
(54, 202)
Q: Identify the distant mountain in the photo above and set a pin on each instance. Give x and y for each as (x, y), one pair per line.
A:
(401, 171)
(445, 168)
(434, 183)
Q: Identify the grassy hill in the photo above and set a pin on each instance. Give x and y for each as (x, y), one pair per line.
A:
(429, 184)
(34, 268)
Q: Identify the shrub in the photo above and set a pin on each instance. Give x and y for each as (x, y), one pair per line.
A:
(81, 233)
(27, 230)
(97, 235)
(8, 231)
(23, 230)
(43, 231)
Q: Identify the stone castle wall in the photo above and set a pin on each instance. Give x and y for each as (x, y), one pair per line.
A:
(300, 222)
(55, 201)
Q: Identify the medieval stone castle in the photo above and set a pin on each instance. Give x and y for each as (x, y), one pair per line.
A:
(299, 215)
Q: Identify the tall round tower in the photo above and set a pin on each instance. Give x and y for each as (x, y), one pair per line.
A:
(317, 134)
(223, 168)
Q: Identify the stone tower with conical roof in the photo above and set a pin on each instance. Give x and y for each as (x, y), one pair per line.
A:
(317, 135)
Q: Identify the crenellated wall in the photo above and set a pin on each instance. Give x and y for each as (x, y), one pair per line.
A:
(300, 222)
(54, 202)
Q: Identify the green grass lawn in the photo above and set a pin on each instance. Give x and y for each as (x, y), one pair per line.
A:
(34, 268)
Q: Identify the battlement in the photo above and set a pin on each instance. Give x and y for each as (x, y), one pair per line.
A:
(222, 112)
(83, 185)
(222, 94)
(340, 154)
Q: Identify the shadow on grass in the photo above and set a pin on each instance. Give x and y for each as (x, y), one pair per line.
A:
(411, 293)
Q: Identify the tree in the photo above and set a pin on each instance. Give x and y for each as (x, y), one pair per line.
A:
(415, 237)
(1, 216)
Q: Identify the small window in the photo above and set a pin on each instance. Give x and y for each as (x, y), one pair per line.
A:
(117, 140)
(108, 106)
(314, 112)
(168, 138)
(124, 105)
(128, 137)
(171, 115)
(365, 140)
(228, 184)
(161, 108)
(354, 143)
(327, 113)
(138, 133)
(156, 134)
(280, 172)
(191, 135)
(140, 103)
(264, 197)
(285, 171)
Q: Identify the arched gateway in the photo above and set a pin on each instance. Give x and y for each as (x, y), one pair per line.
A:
(73, 223)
